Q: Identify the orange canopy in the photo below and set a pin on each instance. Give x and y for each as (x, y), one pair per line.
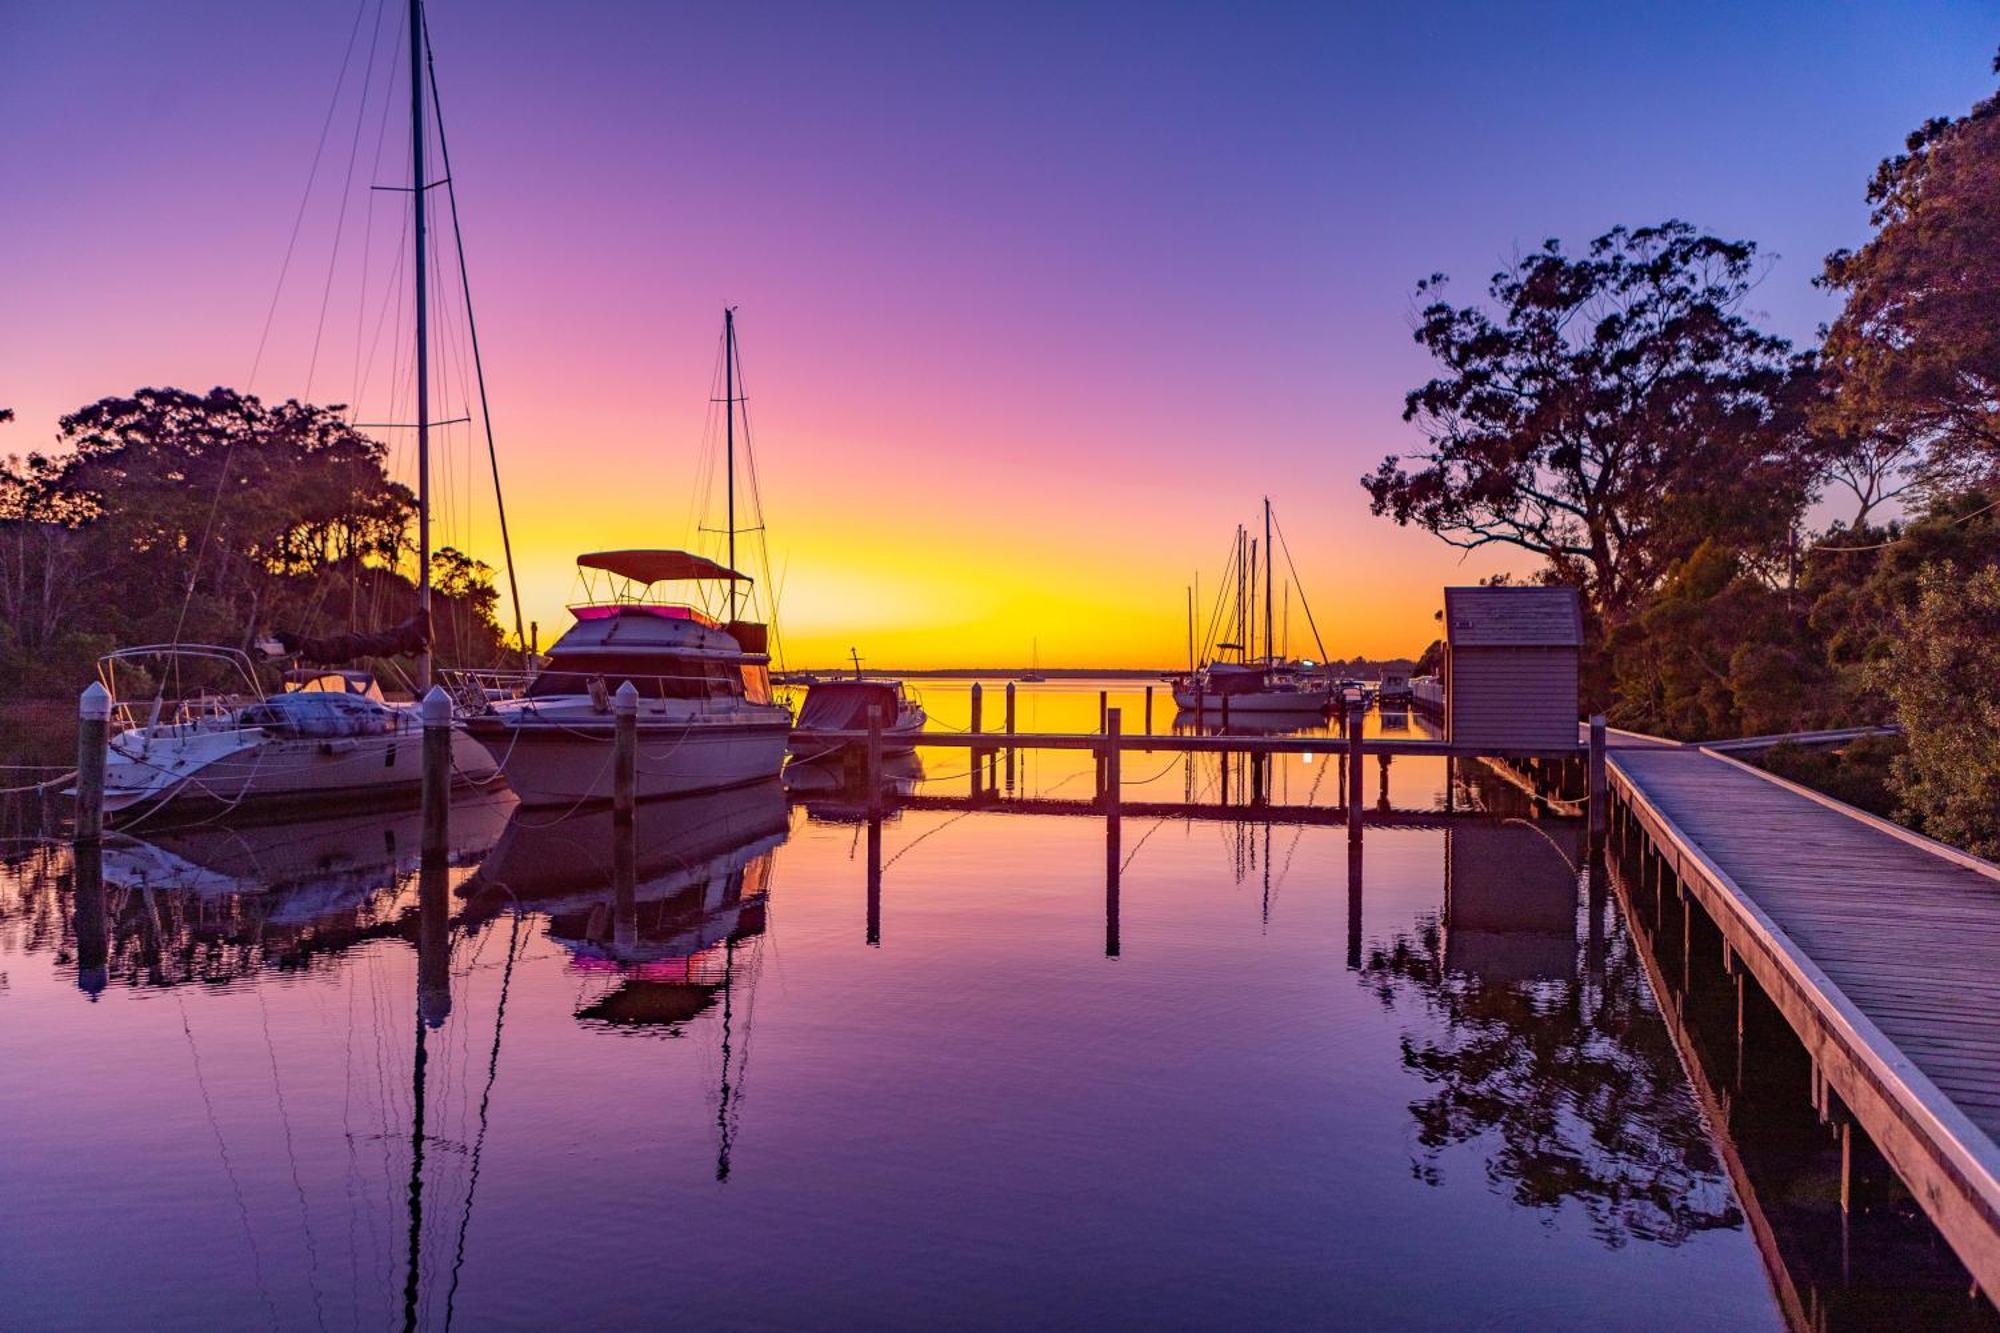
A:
(659, 566)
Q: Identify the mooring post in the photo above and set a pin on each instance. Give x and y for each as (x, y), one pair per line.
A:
(624, 749)
(873, 774)
(435, 712)
(1599, 787)
(874, 936)
(1353, 771)
(1149, 710)
(93, 733)
(93, 940)
(978, 774)
(1010, 732)
(1382, 798)
(1111, 764)
(1113, 855)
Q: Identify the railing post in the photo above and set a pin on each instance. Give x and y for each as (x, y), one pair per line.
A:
(873, 775)
(624, 750)
(435, 713)
(1353, 771)
(1599, 786)
(93, 733)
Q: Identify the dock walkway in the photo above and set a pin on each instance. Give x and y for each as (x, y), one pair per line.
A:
(1881, 948)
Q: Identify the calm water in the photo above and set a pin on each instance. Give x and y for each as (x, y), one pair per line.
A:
(802, 1073)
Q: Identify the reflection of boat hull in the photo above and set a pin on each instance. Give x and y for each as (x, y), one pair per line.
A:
(897, 739)
(573, 858)
(205, 770)
(1271, 723)
(565, 760)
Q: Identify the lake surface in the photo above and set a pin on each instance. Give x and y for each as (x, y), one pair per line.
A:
(787, 1070)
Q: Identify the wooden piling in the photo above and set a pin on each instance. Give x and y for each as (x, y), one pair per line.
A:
(978, 696)
(1010, 732)
(1149, 710)
(873, 774)
(1600, 787)
(874, 936)
(93, 734)
(1111, 764)
(435, 713)
(978, 756)
(1353, 771)
(624, 750)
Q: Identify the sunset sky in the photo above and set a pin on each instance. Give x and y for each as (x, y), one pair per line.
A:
(1036, 302)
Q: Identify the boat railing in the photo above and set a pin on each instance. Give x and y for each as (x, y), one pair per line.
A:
(475, 691)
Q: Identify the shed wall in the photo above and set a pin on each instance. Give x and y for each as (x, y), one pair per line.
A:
(1512, 698)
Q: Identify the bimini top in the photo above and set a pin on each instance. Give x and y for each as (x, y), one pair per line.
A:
(659, 566)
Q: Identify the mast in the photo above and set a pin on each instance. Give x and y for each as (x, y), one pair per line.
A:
(423, 337)
(729, 438)
(1190, 629)
(1267, 579)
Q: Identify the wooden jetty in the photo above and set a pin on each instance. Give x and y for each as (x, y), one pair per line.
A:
(1881, 949)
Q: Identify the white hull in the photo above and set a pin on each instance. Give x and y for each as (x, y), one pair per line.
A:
(557, 760)
(1259, 701)
(201, 766)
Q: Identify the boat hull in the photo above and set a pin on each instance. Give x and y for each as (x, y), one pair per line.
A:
(556, 761)
(229, 771)
(1256, 701)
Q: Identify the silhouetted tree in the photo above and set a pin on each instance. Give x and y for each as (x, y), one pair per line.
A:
(1610, 413)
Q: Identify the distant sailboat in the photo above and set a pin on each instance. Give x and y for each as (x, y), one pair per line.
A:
(1033, 675)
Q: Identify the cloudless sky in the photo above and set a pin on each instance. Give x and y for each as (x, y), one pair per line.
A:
(1036, 301)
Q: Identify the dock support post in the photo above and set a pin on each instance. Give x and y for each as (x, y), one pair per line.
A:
(93, 939)
(872, 775)
(624, 750)
(1382, 797)
(1149, 710)
(1103, 708)
(874, 936)
(1353, 772)
(978, 756)
(1599, 788)
(435, 711)
(1450, 784)
(93, 733)
(1112, 851)
(1010, 732)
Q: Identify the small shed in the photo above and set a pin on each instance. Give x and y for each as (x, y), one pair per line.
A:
(1510, 667)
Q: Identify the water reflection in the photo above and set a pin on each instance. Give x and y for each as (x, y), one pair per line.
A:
(1562, 1078)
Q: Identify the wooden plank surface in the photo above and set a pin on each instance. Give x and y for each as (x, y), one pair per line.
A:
(1881, 950)
(1912, 939)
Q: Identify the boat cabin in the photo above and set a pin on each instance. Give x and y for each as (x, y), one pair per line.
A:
(668, 650)
(842, 705)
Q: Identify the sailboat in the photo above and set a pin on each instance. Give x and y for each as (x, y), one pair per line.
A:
(1252, 683)
(224, 741)
(1033, 675)
(707, 718)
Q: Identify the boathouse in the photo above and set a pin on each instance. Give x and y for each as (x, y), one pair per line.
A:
(1510, 667)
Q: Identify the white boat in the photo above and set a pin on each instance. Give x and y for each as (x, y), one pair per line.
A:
(220, 742)
(706, 716)
(842, 705)
(1253, 688)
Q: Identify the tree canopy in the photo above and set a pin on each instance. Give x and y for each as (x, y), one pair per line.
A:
(1610, 413)
(210, 517)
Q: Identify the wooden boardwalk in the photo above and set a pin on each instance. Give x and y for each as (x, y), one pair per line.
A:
(1881, 948)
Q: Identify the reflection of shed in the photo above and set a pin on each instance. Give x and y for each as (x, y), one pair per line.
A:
(1510, 902)
(1510, 667)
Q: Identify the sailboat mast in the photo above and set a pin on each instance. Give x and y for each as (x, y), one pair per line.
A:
(420, 266)
(1190, 629)
(729, 436)
(1267, 578)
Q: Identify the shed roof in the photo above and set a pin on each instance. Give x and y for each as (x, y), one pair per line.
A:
(1512, 618)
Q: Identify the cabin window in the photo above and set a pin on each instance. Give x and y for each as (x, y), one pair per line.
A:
(654, 676)
(756, 683)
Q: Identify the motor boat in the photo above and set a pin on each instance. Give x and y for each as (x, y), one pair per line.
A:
(192, 728)
(843, 705)
(706, 716)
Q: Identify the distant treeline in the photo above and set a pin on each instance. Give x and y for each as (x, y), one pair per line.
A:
(1619, 413)
(1358, 668)
(170, 516)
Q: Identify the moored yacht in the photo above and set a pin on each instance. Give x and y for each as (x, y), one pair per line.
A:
(706, 716)
(1253, 683)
